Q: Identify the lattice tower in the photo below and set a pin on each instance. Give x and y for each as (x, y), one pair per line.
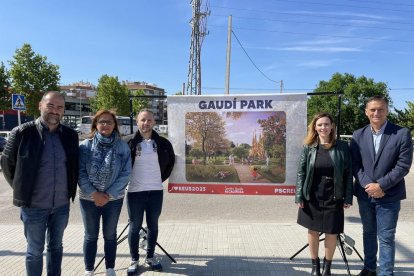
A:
(198, 25)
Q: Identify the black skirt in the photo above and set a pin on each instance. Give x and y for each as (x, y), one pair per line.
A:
(322, 213)
(324, 219)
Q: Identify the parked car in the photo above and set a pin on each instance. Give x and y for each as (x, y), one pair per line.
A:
(3, 142)
(5, 134)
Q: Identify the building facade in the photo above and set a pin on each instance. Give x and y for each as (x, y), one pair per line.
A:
(77, 102)
(156, 97)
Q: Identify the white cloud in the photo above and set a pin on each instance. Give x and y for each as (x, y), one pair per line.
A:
(313, 47)
(320, 49)
(344, 14)
(321, 63)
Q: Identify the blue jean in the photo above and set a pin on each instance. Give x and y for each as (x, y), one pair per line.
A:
(151, 203)
(379, 220)
(41, 224)
(91, 215)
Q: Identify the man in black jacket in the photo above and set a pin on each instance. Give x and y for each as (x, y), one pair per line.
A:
(152, 162)
(40, 162)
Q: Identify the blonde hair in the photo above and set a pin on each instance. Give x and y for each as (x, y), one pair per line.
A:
(312, 136)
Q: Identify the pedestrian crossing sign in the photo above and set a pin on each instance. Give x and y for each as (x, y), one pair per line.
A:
(18, 102)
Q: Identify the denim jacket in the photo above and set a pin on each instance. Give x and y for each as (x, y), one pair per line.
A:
(341, 158)
(120, 176)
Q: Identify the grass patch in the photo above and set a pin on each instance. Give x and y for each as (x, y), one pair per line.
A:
(272, 173)
(211, 173)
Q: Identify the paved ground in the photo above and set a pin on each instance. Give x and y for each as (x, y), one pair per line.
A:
(213, 235)
(245, 175)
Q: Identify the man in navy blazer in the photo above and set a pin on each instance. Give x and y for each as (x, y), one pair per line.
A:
(382, 154)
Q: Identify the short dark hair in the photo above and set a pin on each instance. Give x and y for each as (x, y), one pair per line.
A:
(380, 98)
(145, 110)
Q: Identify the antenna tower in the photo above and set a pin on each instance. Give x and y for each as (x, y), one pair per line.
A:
(198, 26)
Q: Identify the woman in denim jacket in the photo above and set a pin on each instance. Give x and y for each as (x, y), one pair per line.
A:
(323, 188)
(104, 171)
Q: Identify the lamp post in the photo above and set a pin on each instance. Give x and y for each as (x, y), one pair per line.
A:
(162, 110)
(80, 104)
(4, 107)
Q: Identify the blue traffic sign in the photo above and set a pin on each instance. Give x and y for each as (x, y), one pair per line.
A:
(18, 102)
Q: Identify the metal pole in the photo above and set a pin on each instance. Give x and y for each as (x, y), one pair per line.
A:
(338, 118)
(18, 118)
(4, 107)
(162, 110)
(80, 104)
(338, 124)
(131, 115)
(228, 56)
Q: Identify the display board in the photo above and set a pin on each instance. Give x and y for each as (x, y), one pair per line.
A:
(236, 144)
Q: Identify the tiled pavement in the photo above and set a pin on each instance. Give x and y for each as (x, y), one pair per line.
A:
(212, 249)
(213, 236)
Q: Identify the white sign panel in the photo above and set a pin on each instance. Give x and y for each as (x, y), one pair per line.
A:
(18, 102)
(236, 144)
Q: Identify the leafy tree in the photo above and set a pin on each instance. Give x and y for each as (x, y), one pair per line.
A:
(197, 153)
(274, 129)
(111, 94)
(139, 103)
(206, 130)
(5, 101)
(245, 146)
(32, 75)
(274, 134)
(188, 148)
(406, 117)
(355, 92)
(240, 152)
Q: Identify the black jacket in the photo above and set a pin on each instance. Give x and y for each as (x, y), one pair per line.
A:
(21, 159)
(165, 151)
(341, 157)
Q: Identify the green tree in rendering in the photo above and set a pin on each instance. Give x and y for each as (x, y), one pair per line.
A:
(32, 75)
(355, 92)
(111, 94)
(274, 134)
(206, 130)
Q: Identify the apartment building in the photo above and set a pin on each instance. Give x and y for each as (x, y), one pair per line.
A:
(158, 102)
(77, 101)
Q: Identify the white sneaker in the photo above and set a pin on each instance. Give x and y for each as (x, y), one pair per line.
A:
(110, 272)
(89, 273)
(133, 268)
(154, 264)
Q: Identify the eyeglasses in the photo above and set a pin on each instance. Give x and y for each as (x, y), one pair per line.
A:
(108, 123)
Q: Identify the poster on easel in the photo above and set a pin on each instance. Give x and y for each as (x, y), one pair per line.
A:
(236, 144)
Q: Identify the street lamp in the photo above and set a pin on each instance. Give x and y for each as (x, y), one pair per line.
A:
(4, 106)
(80, 104)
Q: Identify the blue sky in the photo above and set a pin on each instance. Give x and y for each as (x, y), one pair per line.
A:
(249, 121)
(300, 42)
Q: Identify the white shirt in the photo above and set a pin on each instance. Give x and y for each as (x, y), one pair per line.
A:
(376, 137)
(146, 173)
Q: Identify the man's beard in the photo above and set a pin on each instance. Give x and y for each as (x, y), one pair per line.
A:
(146, 129)
(50, 118)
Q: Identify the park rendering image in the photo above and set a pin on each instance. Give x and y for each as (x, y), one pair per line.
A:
(235, 147)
